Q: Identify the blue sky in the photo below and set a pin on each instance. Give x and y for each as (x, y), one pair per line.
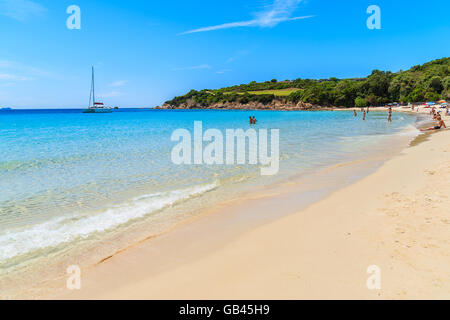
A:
(146, 52)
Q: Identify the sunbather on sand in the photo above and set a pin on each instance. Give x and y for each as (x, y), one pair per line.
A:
(440, 124)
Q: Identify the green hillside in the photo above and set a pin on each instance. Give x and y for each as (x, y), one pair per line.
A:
(427, 82)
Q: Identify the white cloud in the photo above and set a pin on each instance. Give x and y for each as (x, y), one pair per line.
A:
(110, 94)
(12, 77)
(118, 83)
(12, 72)
(238, 55)
(25, 70)
(280, 11)
(21, 10)
(6, 64)
(223, 71)
(203, 66)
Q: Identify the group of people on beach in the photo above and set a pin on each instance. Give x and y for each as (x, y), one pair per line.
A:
(438, 113)
(436, 117)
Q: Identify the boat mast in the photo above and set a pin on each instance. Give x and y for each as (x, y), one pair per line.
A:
(93, 86)
(92, 93)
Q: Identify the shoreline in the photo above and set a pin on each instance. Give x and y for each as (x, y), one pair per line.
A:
(283, 106)
(260, 263)
(288, 195)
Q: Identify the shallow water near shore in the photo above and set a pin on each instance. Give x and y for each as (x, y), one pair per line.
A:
(75, 183)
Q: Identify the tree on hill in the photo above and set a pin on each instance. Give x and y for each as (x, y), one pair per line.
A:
(430, 81)
(436, 84)
(360, 102)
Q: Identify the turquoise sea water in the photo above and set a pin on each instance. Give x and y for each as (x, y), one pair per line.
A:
(68, 177)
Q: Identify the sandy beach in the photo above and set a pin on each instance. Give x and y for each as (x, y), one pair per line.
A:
(395, 219)
(245, 151)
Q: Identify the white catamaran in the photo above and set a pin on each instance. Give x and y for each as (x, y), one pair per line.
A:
(96, 107)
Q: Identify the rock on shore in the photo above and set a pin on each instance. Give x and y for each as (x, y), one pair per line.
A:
(274, 105)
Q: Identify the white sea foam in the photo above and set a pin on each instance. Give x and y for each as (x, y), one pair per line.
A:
(65, 229)
(409, 131)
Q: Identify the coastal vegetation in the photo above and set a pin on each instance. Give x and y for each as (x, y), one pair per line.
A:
(427, 82)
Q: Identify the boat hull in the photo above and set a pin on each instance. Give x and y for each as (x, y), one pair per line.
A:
(97, 110)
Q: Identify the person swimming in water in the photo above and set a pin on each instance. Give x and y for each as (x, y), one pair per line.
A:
(440, 124)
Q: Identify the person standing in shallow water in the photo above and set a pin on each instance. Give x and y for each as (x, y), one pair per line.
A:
(354, 112)
(390, 115)
(364, 115)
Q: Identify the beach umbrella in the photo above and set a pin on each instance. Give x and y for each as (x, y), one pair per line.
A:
(442, 101)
